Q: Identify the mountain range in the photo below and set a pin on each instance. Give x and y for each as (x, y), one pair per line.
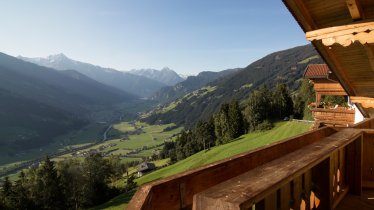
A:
(136, 82)
(39, 103)
(285, 66)
(165, 75)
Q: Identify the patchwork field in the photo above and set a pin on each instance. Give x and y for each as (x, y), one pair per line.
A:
(136, 146)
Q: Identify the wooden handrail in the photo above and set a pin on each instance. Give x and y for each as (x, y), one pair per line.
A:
(244, 191)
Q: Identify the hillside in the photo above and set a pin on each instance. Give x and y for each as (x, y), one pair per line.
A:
(165, 75)
(39, 103)
(134, 84)
(280, 67)
(244, 143)
(26, 124)
(192, 83)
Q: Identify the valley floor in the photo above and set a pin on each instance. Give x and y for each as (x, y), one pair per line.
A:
(132, 141)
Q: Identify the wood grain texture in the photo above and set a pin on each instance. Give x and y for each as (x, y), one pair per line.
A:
(249, 188)
(355, 9)
(363, 202)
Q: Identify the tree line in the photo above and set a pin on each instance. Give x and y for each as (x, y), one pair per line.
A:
(69, 184)
(262, 107)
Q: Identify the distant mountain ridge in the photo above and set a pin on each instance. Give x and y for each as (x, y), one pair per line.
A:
(285, 66)
(40, 103)
(134, 84)
(165, 75)
(168, 94)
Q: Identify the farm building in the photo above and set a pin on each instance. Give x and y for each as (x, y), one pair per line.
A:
(325, 83)
(144, 168)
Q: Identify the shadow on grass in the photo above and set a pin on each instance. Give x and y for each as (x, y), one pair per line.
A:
(119, 202)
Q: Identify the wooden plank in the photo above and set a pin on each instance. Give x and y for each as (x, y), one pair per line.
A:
(365, 125)
(340, 197)
(285, 196)
(308, 187)
(243, 191)
(363, 202)
(299, 10)
(355, 9)
(368, 157)
(342, 168)
(306, 15)
(322, 181)
(353, 159)
(332, 177)
(336, 31)
(366, 102)
(271, 201)
(370, 53)
(182, 189)
(297, 184)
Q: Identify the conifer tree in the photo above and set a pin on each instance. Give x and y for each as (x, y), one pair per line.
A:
(282, 102)
(236, 124)
(221, 123)
(21, 191)
(49, 195)
(304, 96)
(258, 108)
(6, 193)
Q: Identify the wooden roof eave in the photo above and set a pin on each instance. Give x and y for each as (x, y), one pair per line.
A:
(306, 22)
(344, 35)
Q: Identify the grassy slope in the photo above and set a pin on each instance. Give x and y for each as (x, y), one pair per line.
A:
(244, 143)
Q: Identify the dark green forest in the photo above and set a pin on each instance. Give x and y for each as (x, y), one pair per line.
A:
(66, 185)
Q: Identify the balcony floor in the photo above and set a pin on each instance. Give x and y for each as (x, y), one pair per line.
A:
(363, 202)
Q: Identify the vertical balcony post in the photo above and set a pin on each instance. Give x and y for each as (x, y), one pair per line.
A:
(354, 166)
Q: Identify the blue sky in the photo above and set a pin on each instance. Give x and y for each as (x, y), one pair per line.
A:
(188, 36)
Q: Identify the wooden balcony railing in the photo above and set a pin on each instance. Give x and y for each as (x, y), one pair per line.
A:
(314, 170)
(317, 176)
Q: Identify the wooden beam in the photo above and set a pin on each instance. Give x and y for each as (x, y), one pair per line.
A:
(370, 53)
(301, 14)
(335, 65)
(344, 35)
(355, 9)
(366, 102)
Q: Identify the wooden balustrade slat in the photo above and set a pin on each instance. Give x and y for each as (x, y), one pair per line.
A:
(271, 201)
(285, 197)
(297, 192)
